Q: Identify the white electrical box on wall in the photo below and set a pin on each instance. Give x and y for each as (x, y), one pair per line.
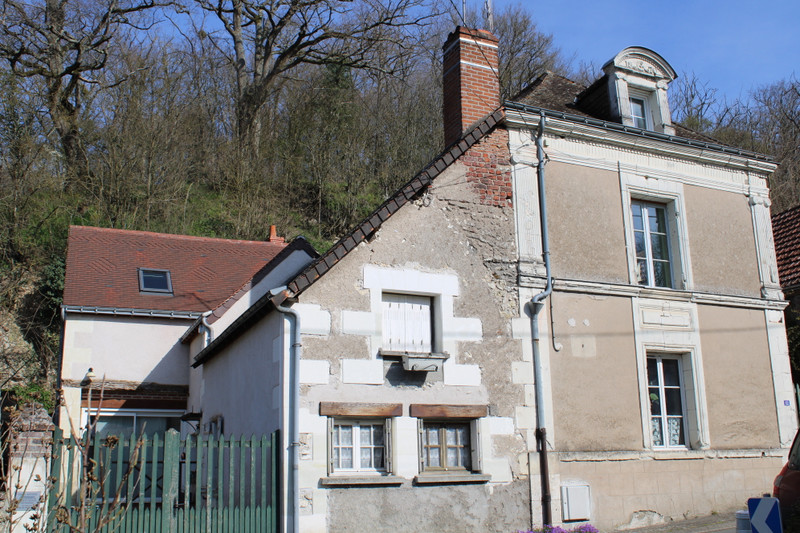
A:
(576, 502)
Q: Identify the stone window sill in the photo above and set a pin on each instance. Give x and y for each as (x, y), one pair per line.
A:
(359, 481)
(450, 477)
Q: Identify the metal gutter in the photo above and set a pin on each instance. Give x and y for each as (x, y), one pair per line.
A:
(124, 311)
(279, 296)
(615, 126)
(536, 305)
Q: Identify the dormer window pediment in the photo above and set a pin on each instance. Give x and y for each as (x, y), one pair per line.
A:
(638, 79)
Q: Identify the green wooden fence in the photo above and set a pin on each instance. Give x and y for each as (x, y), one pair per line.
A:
(164, 484)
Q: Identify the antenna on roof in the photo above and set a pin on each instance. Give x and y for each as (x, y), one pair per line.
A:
(488, 13)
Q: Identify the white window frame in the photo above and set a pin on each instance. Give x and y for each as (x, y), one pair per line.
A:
(662, 388)
(646, 115)
(357, 469)
(668, 193)
(409, 318)
(694, 403)
(648, 232)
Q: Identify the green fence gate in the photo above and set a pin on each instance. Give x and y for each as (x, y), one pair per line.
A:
(164, 484)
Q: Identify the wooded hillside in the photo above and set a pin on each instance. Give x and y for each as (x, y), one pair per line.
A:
(219, 118)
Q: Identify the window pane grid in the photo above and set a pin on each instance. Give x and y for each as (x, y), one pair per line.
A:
(446, 446)
(651, 243)
(358, 446)
(666, 402)
(638, 113)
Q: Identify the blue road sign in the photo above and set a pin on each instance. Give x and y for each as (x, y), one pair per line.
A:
(765, 515)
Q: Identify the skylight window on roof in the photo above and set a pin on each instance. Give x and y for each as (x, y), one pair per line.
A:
(155, 280)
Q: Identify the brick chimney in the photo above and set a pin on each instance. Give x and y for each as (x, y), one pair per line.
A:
(470, 80)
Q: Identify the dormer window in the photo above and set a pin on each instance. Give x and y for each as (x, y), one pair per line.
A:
(155, 281)
(637, 88)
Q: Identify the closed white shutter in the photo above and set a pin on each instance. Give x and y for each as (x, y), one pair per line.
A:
(407, 323)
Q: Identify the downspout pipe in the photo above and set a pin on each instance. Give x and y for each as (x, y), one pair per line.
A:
(209, 334)
(279, 295)
(536, 305)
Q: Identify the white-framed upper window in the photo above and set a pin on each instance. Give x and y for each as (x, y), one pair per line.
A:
(407, 323)
(651, 235)
(667, 397)
(359, 446)
(639, 113)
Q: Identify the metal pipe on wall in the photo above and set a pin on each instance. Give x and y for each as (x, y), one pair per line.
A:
(536, 305)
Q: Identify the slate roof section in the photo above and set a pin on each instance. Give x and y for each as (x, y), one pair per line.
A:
(786, 231)
(406, 193)
(102, 268)
(557, 93)
(553, 91)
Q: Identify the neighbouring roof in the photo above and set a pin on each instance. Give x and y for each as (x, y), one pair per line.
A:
(786, 230)
(103, 264)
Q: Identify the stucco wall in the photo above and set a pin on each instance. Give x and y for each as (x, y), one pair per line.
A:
(594, 380)
(241, 384)
(453, 510)
(634, 492)
(739, 388)
(723, 245)
(587, 237)
(125, 349)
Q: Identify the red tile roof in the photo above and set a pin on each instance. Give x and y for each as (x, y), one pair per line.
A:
(786, 229)
(102, 268)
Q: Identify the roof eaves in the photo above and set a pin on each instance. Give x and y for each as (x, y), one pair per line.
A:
(406, 193)
(259, 309)
(123, 311)
(614, 126)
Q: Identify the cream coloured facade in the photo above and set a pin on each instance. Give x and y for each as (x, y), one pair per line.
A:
(720, 321)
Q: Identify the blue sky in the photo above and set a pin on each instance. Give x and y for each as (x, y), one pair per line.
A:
(734, 45)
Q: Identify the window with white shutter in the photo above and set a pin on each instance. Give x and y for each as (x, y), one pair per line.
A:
(407, 323)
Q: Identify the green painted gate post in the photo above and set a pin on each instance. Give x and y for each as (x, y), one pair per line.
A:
(170, 491)
(56, 474)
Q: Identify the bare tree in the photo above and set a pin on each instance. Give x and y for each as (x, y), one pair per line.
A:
(524, 52)
(63, 44)
(265, 40)
(693, 102)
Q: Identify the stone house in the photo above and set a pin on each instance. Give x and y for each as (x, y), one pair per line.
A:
(572, 314)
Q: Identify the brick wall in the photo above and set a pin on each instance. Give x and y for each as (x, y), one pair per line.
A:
(471, 88)
(489, 169)
(31, 433)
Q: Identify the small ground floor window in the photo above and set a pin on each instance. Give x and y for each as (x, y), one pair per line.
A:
(446, 445)
(667, 403)
(359, 445)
